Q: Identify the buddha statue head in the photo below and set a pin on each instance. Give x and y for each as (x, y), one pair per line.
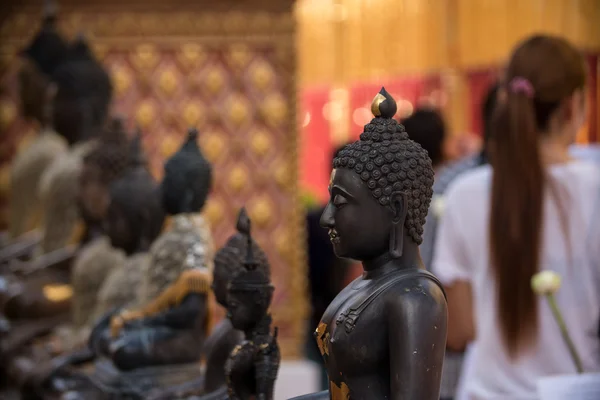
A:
(83, 94)
(135, 216)
(250, 292)
(187, 179)
(380, 190)
(104, 164)
(40, 58)
(231, 259)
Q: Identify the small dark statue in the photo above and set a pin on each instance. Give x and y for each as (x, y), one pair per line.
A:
(252, 367)
(384, 335)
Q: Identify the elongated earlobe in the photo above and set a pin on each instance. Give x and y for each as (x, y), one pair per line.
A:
(396, 241)
(399, 208)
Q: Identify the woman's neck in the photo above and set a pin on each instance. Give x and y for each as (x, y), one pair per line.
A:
(554, 150)
(385, 263)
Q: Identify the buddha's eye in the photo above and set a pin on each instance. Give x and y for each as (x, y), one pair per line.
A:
(339, 201)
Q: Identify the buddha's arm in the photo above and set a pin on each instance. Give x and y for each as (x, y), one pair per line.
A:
(181, 316)
(60, 259)
(417, 324)
(23, 246)
(190, 282)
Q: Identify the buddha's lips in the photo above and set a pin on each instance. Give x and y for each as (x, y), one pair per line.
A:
(334, 237)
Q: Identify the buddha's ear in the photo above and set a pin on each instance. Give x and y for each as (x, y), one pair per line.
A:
(399, 207)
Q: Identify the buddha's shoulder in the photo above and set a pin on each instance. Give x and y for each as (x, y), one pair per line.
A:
(417, 288)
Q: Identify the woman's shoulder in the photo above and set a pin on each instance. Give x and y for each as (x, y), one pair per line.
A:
(581, 176)
(470, 188)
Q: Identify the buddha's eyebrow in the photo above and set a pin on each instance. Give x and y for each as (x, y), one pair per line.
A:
(344, 191)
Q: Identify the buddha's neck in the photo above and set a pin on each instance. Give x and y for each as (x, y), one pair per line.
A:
(385, 263)
(260, 329)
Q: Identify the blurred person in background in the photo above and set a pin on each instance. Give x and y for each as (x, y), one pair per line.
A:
(426, 126)
(453, 361)
(326, 278)
(533, 212)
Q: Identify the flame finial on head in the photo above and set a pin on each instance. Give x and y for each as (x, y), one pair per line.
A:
(384, 105)
(244, 227)
(136, 150)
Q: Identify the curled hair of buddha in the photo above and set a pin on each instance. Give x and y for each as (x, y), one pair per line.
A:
(387, 161)
(233, 256)
(188, 178)
(542, 73)
(48, 49)
(112, 155)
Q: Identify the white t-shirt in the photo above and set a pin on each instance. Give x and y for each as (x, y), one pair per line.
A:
(462, 253)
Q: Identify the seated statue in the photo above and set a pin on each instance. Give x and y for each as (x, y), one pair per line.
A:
(41, 57)
(134, 219)
(170, 319)
(384, 335)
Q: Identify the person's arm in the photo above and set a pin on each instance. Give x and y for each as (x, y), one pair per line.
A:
(417, 322)
(452, 267)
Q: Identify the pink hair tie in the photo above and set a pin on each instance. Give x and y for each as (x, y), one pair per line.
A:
(522, 85)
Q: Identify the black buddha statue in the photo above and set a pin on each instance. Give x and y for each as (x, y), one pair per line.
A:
(171, 320)
(252, 366)
(134, 219)
(39, 59)
(384, 335)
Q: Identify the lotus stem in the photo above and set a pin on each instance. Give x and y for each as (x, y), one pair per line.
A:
(565, 332)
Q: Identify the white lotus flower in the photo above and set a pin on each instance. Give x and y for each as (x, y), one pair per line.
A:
(545, 283)
(438, 205)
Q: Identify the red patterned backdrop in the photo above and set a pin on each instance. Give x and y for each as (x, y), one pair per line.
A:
(232, 75)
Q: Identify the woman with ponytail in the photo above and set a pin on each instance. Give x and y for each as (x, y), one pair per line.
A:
(531, 210)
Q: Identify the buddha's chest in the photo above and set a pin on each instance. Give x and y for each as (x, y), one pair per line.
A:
(352, 335)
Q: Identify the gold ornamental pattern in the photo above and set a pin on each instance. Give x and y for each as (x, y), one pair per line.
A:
(230, 74)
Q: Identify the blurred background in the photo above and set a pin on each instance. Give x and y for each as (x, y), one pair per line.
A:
(274, 86)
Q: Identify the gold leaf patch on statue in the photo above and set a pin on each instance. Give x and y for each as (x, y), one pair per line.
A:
(341, 392)
(57, 292)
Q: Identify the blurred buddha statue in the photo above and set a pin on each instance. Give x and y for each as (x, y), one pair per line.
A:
(80, 108)
(40, 59)
(46, 174)
(171, 318)
(134, 219)
(395, 313)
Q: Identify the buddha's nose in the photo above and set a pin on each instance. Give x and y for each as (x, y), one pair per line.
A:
(326, 220)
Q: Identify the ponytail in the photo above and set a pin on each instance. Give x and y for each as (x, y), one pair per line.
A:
(516, 216)
(543, 70)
